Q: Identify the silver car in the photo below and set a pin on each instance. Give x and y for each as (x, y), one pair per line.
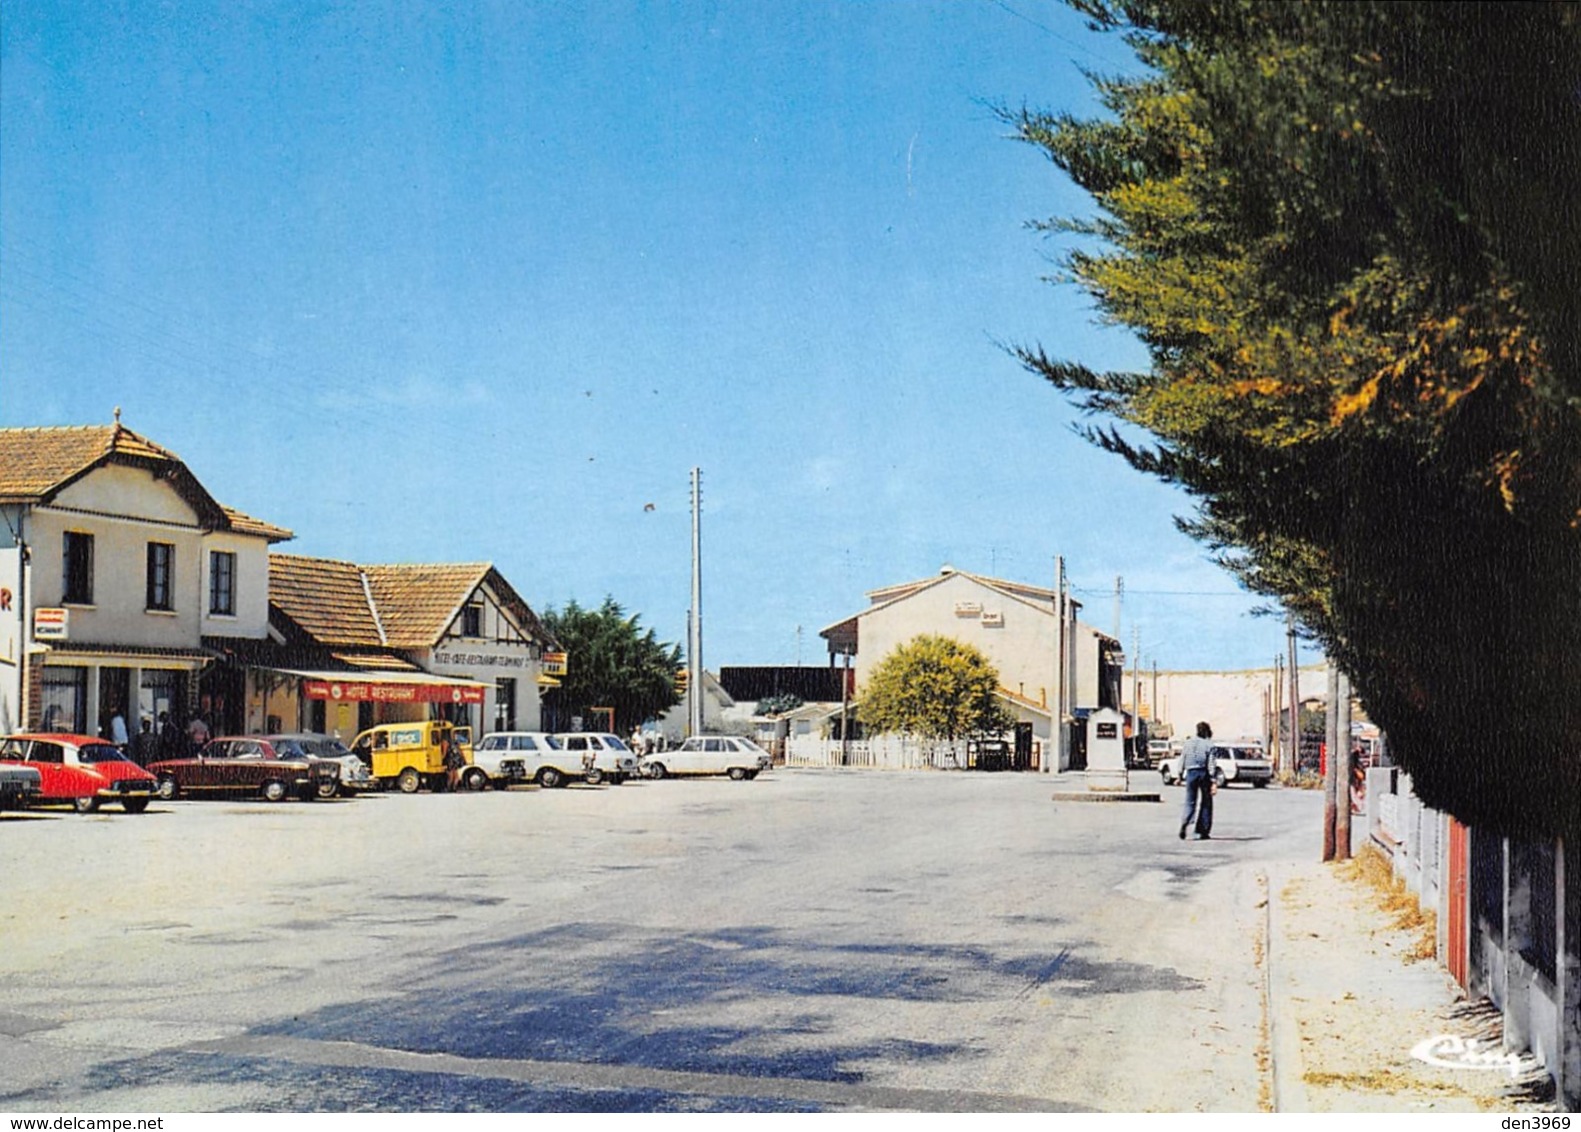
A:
(355, 776)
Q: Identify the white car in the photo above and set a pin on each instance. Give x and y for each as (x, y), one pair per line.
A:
(709, 754)
(613, 761)
(1233, 762)
(529, 756)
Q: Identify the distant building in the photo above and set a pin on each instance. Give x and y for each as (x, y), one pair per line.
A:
(1014, 625)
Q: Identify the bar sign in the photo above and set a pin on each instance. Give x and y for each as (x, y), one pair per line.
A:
(49, 624)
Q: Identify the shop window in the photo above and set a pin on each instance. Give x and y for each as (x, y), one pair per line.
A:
(222, 582)
(161, 694)
(161, 573)
(65, 698)
(77, 578)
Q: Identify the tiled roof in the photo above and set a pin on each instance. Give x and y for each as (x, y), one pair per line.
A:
(383, 662)
(417, 603)
(325, 598)
(36, 461)
(383, 607)
(244, 524)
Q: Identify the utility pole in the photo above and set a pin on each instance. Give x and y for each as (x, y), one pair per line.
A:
(1136, 688)
(1295, 695)
(1058, 746)
(694, 620)
(1341, 760)
(1331, 785)
(1277, 746)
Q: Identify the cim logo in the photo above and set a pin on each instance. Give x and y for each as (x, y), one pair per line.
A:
(1449, 1052)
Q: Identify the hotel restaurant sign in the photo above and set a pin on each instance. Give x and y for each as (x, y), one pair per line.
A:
(391, 693)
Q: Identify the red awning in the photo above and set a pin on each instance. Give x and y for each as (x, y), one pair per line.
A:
(388, 687)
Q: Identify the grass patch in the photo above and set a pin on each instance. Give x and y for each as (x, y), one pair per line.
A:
(1374, 1081)
(1371, 868)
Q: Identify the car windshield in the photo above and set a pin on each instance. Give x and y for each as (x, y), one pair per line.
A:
(329, 748)
(100, 753)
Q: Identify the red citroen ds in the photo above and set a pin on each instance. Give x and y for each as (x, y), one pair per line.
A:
(81, 770)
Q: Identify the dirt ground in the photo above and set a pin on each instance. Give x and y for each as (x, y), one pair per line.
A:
(1357, 987)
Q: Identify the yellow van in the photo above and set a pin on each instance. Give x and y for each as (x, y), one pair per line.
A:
(409, 756)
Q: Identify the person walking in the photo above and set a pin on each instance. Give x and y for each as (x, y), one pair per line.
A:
(1197, 764)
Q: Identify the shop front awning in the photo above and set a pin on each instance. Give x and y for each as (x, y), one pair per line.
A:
(147, 656)
(385, 687)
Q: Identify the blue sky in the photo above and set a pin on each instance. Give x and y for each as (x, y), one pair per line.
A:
(485, 281)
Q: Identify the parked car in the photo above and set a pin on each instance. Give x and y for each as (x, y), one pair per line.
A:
(613, 761)
(354, 773)
(82, 770)
(410, 756)
(246, 764)
(709, 754)
(19, 785)
(1234, 762)
(510, 757)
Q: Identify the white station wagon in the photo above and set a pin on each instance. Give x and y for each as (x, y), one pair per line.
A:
(710, 754)
(529, 756)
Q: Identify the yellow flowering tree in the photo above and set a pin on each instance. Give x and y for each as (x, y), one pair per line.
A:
(934, 688)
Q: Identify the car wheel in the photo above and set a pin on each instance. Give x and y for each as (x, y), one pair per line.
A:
(549, 778)
(595, 777)
(408, 781)
(134, 805)
(327, 788)
(274, 790)
(1164, 774)
(474, 779)
(738, 774)
(86, 805)
(1218, 778)
(656, 770)
(168, 789)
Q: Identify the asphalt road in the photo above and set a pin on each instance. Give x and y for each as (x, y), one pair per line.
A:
(810, 941)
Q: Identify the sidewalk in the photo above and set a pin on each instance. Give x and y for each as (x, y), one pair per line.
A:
(1349, 999)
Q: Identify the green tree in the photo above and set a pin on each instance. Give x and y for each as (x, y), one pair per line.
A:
(934, 688)
(611, 661)
(1345, 233)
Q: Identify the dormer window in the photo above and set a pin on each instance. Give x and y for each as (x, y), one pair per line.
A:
(472, 621)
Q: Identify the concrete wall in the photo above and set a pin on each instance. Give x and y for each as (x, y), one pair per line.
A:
(1233, 702)
(1541, 1010)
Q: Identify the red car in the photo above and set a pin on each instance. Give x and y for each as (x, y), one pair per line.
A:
(249, 765)
(80, 769)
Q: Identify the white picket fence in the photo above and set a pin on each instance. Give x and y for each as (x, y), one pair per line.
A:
(882, 752)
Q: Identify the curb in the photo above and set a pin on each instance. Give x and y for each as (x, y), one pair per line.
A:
(1100, 796)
